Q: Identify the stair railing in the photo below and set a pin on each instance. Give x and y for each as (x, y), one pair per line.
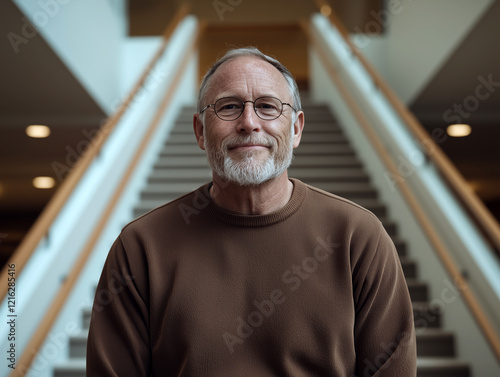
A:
(41, 228)
(474, 206)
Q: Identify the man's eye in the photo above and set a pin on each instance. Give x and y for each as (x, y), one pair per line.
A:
(229, 107)
(266, 106)
(226, 106)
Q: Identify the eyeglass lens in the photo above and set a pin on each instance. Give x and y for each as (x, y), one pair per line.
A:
(265, 107)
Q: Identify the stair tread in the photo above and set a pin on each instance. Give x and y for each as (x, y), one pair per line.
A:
(439, 362)
(72, 363)
(430, 332)
(80, 336)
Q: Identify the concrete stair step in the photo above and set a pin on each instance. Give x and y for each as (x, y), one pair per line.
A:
(348, 190)
(400, 246)
(166, 175)
(86, 316)
(320, 115)
(181, 162)
(71, 368)
(182, 150)
(323, 137)
(441, 367)
(409, 267)
(426, 316)
(435, 342)
(418, 290)
(389, 226)
(78, 345)
(321, 149)
(328, 174)
(373, 205)
(145, 206)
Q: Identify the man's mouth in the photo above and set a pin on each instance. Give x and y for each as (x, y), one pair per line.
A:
(248, 147)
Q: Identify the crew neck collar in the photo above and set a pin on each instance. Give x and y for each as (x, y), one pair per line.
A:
(234, 218)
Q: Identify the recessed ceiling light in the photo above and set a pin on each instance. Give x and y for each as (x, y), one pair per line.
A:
(326, 10)
(459, 130)
(37, 131)
(44, 182)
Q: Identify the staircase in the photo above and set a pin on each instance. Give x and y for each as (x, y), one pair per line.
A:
(325, 160)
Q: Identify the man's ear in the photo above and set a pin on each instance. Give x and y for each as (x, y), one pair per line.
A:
(298, 126)
(198, 130)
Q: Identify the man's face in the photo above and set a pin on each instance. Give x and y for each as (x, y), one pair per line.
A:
(249, 150)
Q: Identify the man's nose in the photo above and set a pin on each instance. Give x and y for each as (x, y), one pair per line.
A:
(248, 121)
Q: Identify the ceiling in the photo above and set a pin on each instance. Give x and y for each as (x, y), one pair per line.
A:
(30, 95)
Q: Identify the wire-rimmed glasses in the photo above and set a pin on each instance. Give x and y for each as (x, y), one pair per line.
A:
(231, 108)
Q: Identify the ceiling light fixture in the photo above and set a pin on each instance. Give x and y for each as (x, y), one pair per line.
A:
(44, 182)
(459, 130)
(326, 10)
(37, 131)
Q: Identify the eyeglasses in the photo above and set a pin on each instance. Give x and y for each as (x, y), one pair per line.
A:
(231, 108)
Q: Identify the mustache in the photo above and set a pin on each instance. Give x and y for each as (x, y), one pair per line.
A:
(263, 140)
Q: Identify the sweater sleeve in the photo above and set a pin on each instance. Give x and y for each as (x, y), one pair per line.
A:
(384, 328)
(118, 340)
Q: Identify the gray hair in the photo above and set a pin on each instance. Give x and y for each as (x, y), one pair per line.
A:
(253, 52)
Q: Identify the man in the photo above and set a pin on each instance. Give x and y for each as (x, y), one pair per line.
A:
(253, 274)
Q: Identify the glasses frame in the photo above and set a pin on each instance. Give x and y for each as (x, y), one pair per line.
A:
(243, 107)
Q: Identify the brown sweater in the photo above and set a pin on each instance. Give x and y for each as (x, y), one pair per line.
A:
(314, 289)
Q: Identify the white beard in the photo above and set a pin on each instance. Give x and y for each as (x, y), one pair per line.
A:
(249, 170)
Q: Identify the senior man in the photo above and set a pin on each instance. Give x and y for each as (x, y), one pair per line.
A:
(253, 274)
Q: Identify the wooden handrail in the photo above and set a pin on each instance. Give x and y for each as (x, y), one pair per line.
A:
(57, 304)
(433, 237)
(41, 227)
(483, 218)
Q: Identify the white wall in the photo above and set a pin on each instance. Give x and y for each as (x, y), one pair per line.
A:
(419, 37)
(88, 36)
(137, 53)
